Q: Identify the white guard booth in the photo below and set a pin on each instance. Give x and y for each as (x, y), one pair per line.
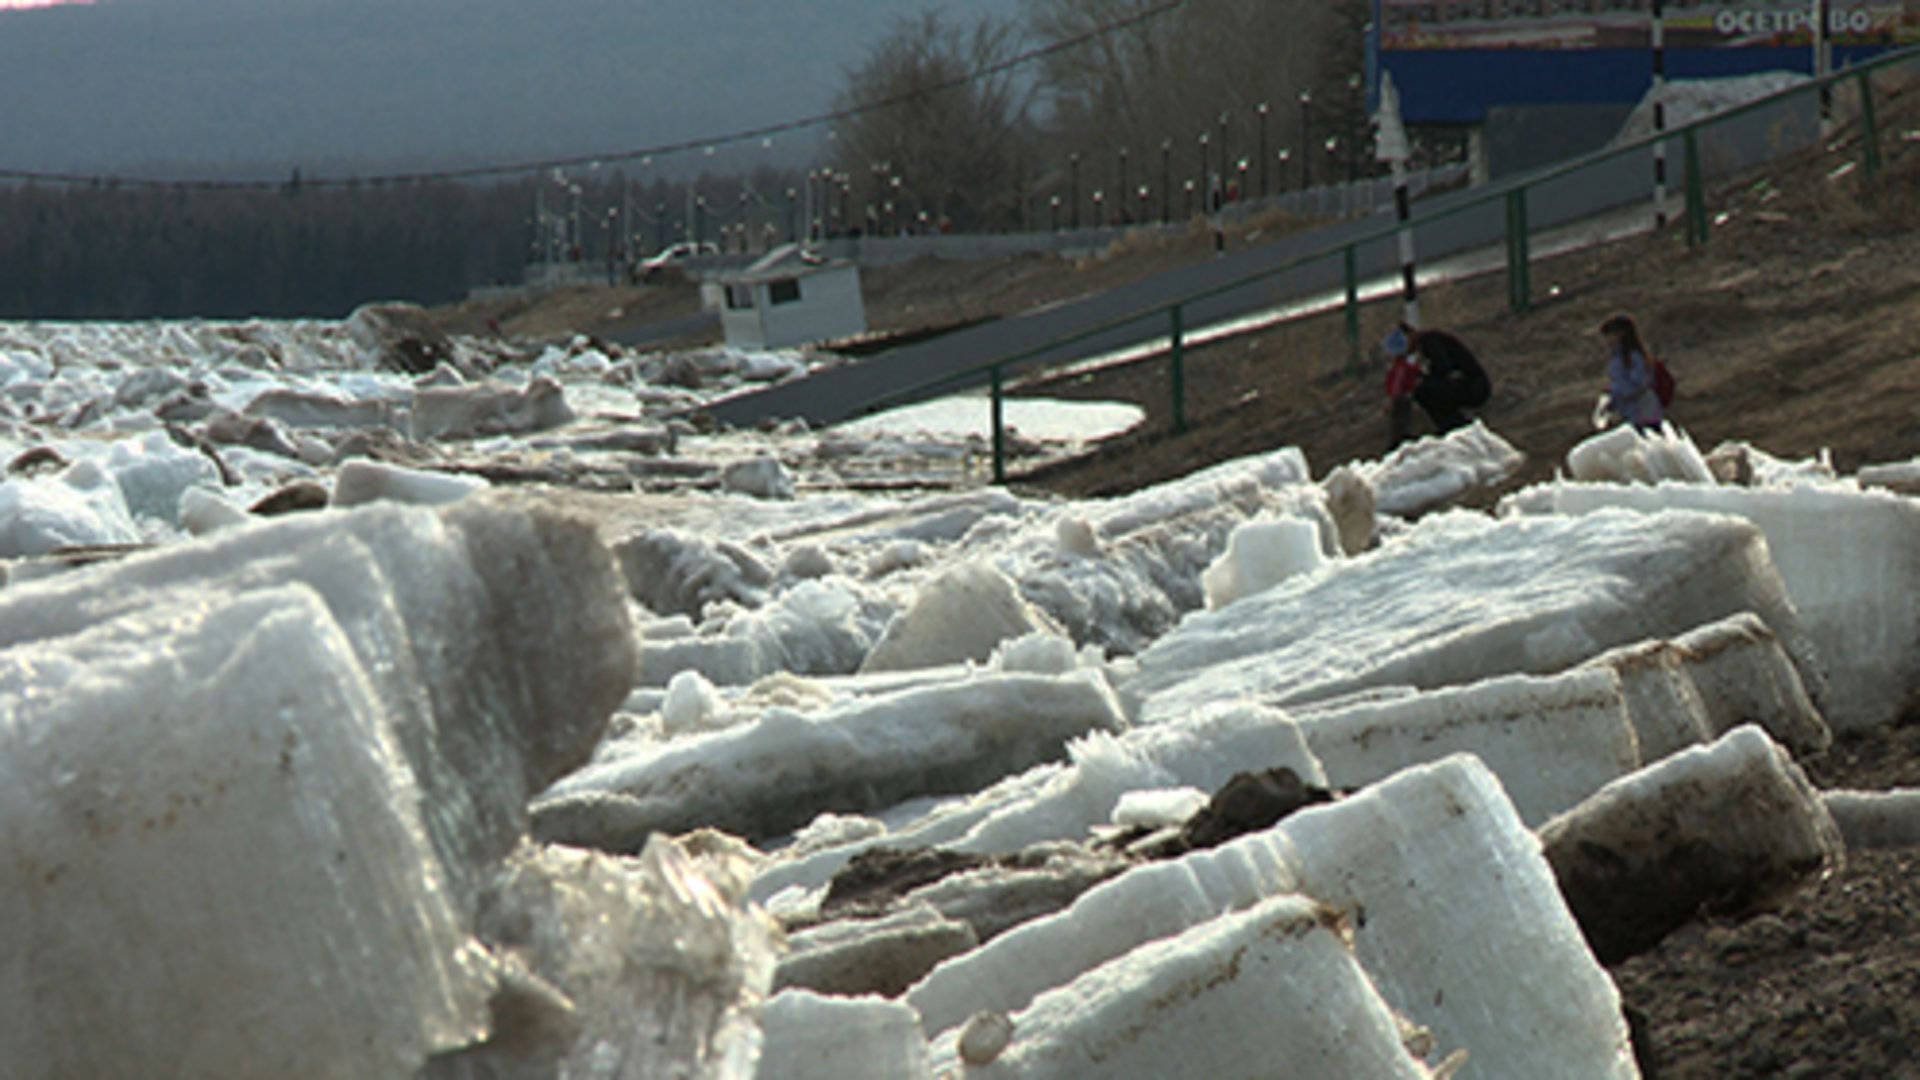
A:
(791, 297)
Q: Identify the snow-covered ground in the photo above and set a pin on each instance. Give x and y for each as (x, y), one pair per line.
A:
(316, 712)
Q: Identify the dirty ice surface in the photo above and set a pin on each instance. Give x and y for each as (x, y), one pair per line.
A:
(491, 692)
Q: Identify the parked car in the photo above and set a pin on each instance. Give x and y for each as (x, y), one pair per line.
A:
(673, 255)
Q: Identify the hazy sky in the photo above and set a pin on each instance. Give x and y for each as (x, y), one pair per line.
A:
(331, 86)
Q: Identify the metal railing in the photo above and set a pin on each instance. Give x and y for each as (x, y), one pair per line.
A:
(1518, 229)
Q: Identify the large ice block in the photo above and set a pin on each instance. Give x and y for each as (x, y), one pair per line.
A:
(1274, 988)
(1461, 597)
(1058, 801)
(493, 633)
(1457, 918)
(1745, 677)
(808, 1036)
(1551, 740)
(662, 967)
(1426, 474)
(1158, 900)
(962, 614)
(1718, 827)
(1662, 701)
(769, 777)
(1851, 568)
(219, 865)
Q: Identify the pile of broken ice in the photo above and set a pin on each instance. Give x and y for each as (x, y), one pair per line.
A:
(439, 782)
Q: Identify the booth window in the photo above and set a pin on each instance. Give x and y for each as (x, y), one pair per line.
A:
(739, 297)
(783, 291)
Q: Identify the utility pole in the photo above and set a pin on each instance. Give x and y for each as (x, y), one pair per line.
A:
(1391, 146)
(1262, 110)
(1823, 64)
(1659, 114)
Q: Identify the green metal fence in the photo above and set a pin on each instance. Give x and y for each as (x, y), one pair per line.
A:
(1519, 232)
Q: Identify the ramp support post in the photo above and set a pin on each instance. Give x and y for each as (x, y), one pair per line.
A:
(999, 427)
(1696, 193)
(1869, 126)
(1353, 310)
(1178, 366)
(1519, 287)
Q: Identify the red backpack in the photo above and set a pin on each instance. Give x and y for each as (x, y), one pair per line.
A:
(1662, 383)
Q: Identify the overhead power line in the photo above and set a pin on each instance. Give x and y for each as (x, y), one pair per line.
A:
(476, 172)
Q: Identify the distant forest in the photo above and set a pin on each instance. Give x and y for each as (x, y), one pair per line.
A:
(105, 252)
(112, 253)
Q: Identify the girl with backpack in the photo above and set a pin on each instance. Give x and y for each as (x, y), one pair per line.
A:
(1634, 378)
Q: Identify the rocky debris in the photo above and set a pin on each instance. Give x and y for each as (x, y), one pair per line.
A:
(379, 444)
(984, 1036)
(877, 877)
(401, 337)
(882, 955)
(37, 461)
(229, 428)
(297, 497)
(1249, 802)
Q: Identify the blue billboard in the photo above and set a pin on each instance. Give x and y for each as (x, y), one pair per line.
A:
(1453, 59)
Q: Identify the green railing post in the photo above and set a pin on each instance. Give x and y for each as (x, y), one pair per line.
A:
(1353, 310)
(1519, 280)
(1696, 194)
(1178, 369)
(999, 427)
(1869, 128)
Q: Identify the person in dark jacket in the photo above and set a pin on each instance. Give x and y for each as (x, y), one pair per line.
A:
(1451, 380)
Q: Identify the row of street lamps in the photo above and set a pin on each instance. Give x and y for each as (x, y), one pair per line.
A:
(1210, 173)
(561, 234)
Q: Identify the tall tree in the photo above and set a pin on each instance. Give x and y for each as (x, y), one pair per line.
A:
(937, 130)
(1217, 79)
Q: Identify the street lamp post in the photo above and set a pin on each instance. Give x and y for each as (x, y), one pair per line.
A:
(1166, 181)
(1306, 139)
(1099, 209)
(1073, 190)
(1262, 110)
(1355, 147)
(1205, 167)
(1222, 195)
(1143, 203)
(1121, 187)
(1053, 218)
(1189, 187)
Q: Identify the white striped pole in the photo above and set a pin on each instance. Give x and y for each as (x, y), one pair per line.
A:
(1659, 114)
(1403, 209)
(1391, 145)
(1823, 64)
